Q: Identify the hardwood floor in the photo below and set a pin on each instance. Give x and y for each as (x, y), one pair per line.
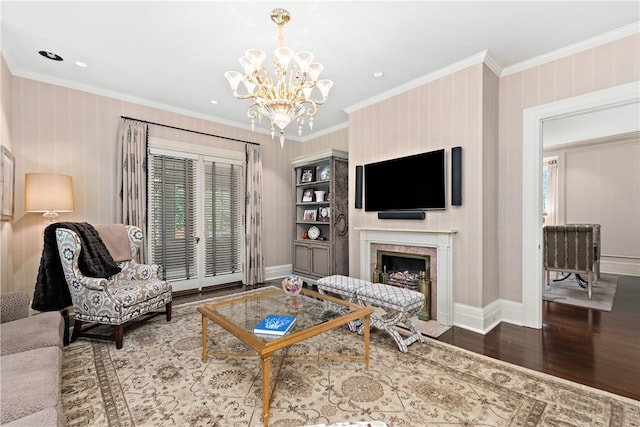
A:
(596, 348)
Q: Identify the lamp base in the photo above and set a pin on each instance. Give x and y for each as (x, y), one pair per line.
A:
(51, 216)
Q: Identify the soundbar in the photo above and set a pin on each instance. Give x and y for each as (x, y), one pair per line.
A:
(401, 215)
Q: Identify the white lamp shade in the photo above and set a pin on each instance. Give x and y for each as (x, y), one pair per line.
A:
(47, 192)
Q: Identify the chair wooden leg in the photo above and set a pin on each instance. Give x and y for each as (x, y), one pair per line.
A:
(168, 308)
(119, 332)
(77, 325)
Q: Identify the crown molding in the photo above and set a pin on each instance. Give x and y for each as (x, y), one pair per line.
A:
(478, 58)
(587, 44)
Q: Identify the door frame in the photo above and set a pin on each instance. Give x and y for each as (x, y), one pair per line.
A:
(533, 118)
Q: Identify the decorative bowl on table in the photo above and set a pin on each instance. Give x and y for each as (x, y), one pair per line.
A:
(292, 285)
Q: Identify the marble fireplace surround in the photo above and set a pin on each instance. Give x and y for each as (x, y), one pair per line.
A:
(414, 241)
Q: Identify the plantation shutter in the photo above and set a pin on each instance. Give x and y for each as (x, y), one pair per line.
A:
(223, 212)
(173, 216)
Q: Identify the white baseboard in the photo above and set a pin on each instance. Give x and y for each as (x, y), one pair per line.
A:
(511, 312)
(631, 268)
(277, 272)
(483, 320)
(475, 319)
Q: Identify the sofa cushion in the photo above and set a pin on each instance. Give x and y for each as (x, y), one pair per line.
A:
(29, 382)
(391, 297)
(342, 285)
(132, 292)
(13, 305)
(42, 330)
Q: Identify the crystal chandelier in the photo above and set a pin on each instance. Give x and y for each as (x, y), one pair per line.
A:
(286, 94)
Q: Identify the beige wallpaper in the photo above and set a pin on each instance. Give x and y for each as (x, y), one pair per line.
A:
(442, 114)
(606, 66)
(599, 182)
(61, 130)
(54, 129)
(6, 229)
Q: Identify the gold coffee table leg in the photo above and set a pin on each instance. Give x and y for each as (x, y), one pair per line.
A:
(266, 374)
(205, 324)
(366, 321)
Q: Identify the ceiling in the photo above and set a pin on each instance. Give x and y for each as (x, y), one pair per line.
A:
(172, 55)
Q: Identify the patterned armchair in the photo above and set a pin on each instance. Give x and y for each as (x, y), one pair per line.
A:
(134, 292)
(572, 248)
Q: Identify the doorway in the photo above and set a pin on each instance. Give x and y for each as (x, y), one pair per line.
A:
(533, 118)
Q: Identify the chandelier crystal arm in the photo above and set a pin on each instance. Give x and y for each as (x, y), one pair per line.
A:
(284, 95)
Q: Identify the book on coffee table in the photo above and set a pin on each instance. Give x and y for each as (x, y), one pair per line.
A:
(274, 324)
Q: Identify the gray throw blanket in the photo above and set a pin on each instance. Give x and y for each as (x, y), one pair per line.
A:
(51, 292)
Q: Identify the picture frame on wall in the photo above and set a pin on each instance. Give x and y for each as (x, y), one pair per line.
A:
(307, 175)
(7, 173)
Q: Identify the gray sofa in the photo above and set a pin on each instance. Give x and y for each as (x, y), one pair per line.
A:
(30, 364)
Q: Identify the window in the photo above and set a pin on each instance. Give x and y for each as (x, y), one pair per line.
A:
(196, 210)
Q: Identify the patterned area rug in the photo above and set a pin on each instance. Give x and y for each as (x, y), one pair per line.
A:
(158, 379)
(569, 292)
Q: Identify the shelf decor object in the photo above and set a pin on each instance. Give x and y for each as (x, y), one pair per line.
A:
(286, 96)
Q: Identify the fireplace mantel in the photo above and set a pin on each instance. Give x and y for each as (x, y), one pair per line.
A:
(441, 240)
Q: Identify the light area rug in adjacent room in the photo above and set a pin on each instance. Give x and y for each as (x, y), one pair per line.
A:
(158, 379)
(569, 292)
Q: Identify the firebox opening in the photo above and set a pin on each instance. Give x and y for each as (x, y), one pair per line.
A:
(401, 269)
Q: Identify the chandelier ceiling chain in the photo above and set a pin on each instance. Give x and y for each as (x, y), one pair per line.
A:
(287, 95)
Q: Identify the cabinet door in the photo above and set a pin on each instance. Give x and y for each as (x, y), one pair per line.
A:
(320, 261)
(301, 258)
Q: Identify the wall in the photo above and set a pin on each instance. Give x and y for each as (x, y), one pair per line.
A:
(602, 67)
(6, 227)
(484, 115)
(599, 182)
(60, 130)
(66, 131)
(445, 113)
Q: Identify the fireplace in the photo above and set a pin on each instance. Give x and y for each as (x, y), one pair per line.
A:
(400, 269)
(428, 247)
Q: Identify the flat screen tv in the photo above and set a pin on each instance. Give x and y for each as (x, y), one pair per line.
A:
(414, 182)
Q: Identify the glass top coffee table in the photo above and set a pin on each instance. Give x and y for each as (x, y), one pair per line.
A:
(318, 314)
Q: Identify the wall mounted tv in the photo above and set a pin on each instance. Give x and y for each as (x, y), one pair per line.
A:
(414, 182)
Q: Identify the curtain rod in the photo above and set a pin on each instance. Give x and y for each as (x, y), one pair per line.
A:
(190, 130)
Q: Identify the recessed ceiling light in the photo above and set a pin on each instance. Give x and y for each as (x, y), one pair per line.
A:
(378, 74)
(214, 102)
(81, 64)
(51, 55)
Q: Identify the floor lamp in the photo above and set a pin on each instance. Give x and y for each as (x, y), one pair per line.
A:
(49, 193)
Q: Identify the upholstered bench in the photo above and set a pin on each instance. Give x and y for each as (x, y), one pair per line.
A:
(398, 303)
(344, 287)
